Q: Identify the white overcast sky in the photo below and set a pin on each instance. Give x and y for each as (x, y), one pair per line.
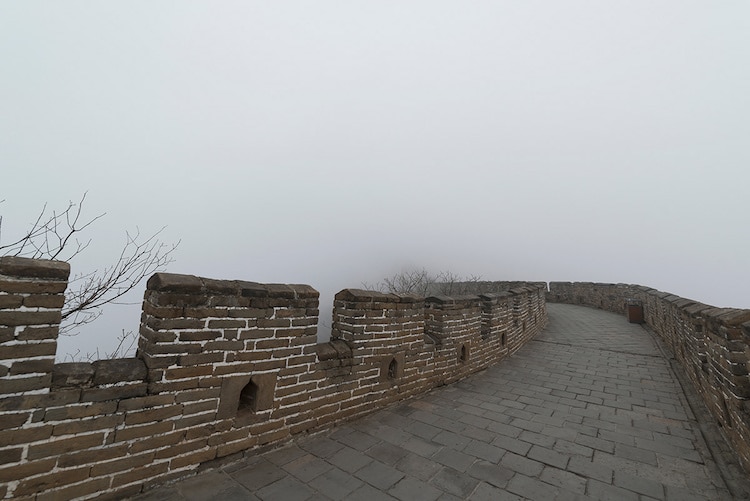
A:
(336, 142)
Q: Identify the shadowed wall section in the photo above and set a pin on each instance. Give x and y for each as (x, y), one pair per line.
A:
(223, 368)
(710, 343)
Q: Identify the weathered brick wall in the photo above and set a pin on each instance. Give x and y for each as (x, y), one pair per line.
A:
(223, 368)
(712, 345)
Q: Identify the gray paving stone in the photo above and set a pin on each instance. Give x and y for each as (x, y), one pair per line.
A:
(421, 447)
(286, 489)
(379, 475)
(307, 467)
(454, 459)
(349, 459)
(493, 474)
(595, 443)
(479, 434)
(418, 467)
(322, 447)
(563, 479)
(504, 429)
(452, 440)
(683, 494)
(212, 485)
(487, 492)
(481, 450)
(607, 492)
(531, 488)
(522, 465)
(165, 493)
(570, 448)
(586, 468)
(358, 440)
(635, 454)
(423, 430)
(640, 485)
(386, 453)
(513, 445)
(669, 450)
(284, 455)
(454, 482)
(258, 475)
(412, 489)
(548, 456)
(336, 484)
(369, 493)
(537, 438)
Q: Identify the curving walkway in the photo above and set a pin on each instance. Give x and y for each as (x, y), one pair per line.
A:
(590, 409)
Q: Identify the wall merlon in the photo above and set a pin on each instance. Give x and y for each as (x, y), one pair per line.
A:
(21, 267)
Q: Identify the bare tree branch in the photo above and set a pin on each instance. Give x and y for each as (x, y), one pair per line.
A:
(55, 236)
(424, 283)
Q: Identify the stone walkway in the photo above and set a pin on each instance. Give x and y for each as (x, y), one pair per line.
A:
(589, 410)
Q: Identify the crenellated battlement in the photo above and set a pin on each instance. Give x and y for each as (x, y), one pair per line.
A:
(223, 367)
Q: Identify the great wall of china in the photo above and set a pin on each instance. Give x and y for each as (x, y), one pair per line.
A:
(228, 368)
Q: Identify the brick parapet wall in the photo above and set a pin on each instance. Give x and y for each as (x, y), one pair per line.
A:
(223, 368)
(711, 344)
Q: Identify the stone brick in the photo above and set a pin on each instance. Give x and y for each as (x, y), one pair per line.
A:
(27, 469)
(159, 324)
(114, 392)
(194, 420)
(92, 456)
(197, 395)
(32, 287)
(87, 425)
(44, 301)
(18, 385)
(10, 455)
(151, 415)
(194, 458)
(24, 267)
(76, 491)
(226, 324)
(133, 432)
(17, 318)
(199, 359)
(189, 372)
(72, 374)
(80, 411)
(64, 445)
(9, 302)
(118, 370)
(32, 366)
(26, 435)
(201, 335)
(171, 282)
(13, 420)
(200, 407)
(138, 403)
(140, 474)
(7, 334)
(123, 464)
(156, 442)
(28, 350)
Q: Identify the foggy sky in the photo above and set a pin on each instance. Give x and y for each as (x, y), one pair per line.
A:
(334, 143)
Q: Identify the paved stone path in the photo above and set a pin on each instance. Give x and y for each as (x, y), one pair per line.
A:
(588, 410)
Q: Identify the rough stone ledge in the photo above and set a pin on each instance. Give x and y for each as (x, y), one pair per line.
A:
(193, 285)
(23, 267)
(101, 372)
